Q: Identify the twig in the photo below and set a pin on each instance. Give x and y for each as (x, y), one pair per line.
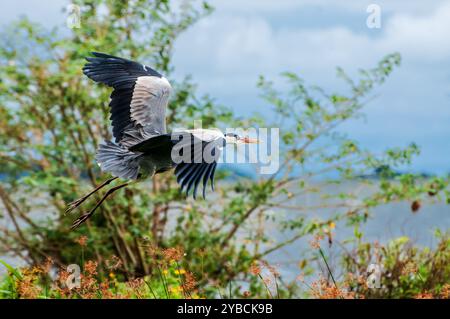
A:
(328, 268)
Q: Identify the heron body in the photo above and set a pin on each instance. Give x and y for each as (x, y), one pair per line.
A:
(142, 147)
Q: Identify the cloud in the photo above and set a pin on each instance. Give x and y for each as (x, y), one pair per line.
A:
(47, 12)
(242, 39)
(283, 6)
(423, 37)
(238, 43)
(228, 50)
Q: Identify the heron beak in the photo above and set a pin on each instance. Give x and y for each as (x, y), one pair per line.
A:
(248, 140)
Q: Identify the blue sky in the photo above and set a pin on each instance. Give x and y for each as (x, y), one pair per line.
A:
(226, 52)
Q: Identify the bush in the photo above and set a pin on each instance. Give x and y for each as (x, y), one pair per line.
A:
(405, 271)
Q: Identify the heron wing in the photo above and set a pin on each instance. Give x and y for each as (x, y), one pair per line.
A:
(139, 100)
(195, 157)
(151, 143)
(200, 165)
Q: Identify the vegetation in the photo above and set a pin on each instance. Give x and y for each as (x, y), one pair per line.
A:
(406, 271)
(150, 241)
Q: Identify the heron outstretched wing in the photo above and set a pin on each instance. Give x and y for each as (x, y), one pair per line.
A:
(198, 169)
(195, 156)
(139, 100)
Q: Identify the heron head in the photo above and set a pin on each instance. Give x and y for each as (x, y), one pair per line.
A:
(232, 138)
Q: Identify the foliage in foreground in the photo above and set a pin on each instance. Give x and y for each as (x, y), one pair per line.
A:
(52, 120)
(406, 271)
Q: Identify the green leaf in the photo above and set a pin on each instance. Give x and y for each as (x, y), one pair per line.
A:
(11, 269)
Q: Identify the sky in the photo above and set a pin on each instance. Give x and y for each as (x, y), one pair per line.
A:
(227, 51)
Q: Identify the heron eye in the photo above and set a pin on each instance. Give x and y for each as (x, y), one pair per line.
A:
(233, 135)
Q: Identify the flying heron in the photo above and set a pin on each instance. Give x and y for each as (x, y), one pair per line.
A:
(142, 146)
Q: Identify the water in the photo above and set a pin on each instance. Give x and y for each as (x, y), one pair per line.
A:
(387, 222)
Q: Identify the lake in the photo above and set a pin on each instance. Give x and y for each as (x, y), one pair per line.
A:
(387, 222)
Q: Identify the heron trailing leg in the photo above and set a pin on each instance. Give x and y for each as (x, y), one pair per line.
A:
(71, 206)
(84, 217)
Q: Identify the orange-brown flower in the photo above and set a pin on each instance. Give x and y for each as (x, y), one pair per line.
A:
(26, 286)
(409, 268)
(323, 289)
(113, 263)
(173, 254)
(153, 251)
(136, 285)
(267, 281)
(255, 269)
(315, 243)
(90, 267)
(445, 291)
(82, 241)
(47, 266)
(63, 275)
(105, 290)
(189, 281)
(271, 269)
(424, 295)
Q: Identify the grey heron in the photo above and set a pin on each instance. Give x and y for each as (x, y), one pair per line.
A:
(142, 147)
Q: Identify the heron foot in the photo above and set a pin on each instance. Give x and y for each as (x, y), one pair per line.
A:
(80, 220)
(73, 205)
(85, 216)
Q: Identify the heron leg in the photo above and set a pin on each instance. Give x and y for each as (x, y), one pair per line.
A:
(71, 206)
(85, 216)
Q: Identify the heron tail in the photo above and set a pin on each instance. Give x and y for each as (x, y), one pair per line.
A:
(118, 161)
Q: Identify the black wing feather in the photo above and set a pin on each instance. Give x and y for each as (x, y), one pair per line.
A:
(190, 181)
(188, 174)
(212, 175)
(121, 74)
(191, 174)
(199, 177)
(206, 178)
(153, 142)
